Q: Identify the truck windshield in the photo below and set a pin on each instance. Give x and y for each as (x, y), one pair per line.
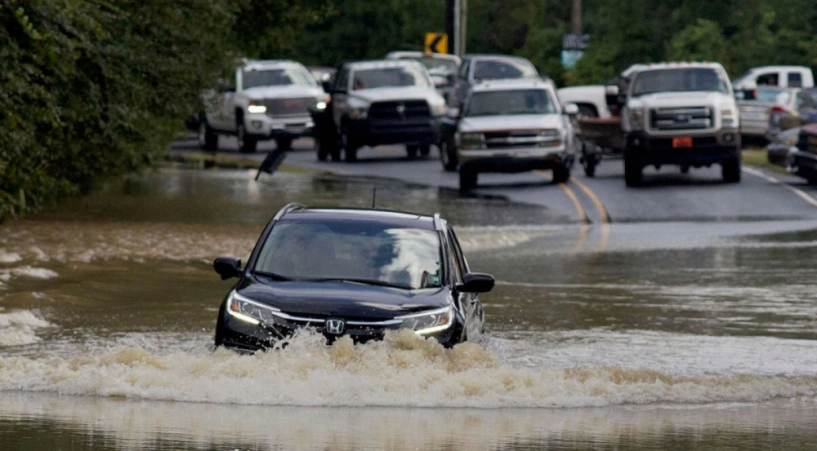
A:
(519, 101)
(679, 80)
(254, 78)
(385, 77)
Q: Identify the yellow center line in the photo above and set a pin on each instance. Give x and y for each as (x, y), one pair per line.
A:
(605, 216)
(570, 194)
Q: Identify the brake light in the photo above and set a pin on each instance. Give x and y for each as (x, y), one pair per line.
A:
(778, 109)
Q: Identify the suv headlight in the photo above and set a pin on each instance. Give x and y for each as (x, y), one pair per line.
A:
(428, 322)
(250, 311)
(472, 141)
(256, 107)
(322, 101)
(636, 117)
(550, 138)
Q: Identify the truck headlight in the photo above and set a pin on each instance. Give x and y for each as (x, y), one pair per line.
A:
(256, 107)
(437, 107)
(729, 117)
(472, 141)
(428, 322)
(250, 311)
(636, 117)
(359, 113)
(322, 102)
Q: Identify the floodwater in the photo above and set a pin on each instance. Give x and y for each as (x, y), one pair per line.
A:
(658, 336)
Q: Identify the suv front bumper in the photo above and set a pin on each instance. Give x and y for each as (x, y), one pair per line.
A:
(514, 160)
(291, 127)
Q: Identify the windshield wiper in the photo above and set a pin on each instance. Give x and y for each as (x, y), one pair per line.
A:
(380, 283)
(272, 275)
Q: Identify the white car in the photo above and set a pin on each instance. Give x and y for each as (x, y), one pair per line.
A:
(681, 114)
(509, 126)
(269, 100)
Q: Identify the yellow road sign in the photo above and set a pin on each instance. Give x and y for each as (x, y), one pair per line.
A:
(436, 43)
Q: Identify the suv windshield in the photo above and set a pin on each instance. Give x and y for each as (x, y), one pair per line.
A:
(254, 78)
(678, 80)
(352, 250)
(384, 77)
(437, 66)
(519, 101)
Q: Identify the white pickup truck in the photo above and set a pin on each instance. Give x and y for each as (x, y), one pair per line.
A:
(270, 100)
(679, 114)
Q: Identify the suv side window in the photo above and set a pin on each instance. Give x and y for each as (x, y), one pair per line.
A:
(458, 251)
(769, 79)
(464, 70)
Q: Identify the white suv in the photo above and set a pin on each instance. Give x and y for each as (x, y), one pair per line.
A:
(270, 100)
(509, 126)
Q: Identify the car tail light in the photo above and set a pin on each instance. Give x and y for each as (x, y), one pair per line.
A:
(778, 109)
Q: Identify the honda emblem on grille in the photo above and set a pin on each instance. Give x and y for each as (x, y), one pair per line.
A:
(335, 326)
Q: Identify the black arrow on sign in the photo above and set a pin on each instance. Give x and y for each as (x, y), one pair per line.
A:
(433, 45)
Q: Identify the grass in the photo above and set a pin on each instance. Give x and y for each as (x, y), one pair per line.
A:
(756, 156)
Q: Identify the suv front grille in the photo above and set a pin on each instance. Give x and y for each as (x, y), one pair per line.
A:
(679, 119)
(519, 138)
(288, 107)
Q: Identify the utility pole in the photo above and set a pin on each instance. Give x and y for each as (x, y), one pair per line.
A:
(576, 18)
(463, 22)
(449, 26)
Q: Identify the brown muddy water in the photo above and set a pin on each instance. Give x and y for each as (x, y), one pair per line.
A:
(653, 336)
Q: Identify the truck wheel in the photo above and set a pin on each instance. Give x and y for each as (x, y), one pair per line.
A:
(284, 143)
(561, 174)
(323, 152)
(425, 150)
(208, 138)
(448, 156)
(632, 172)
(246, 143)
(730, 168)
(468, 180)
(411, 150)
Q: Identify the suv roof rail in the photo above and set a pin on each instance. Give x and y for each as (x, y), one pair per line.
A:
(438, 222)
(286, 209)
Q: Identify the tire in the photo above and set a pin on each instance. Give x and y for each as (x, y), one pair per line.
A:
(589, 165)
(561, 174)
(323, 153)
(246, 143)
(448, 156)
(684, 169)
(411, 150)
(632, 172)
(284, 143)
(425, 150)
(208, 138)
(468, 180)
(730, 169)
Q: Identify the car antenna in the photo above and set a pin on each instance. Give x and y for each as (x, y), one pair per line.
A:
(374, 196)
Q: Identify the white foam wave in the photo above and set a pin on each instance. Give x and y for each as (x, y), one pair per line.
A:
(18, 328)
(402, 370)
(9, 257)
(35, 273)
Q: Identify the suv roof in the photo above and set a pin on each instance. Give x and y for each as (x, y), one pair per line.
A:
(417, 54)
(269, 64)
(397, 218)
(513, 83)
(670, 65)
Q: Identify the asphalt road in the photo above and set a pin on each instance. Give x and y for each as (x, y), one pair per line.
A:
(667, 194)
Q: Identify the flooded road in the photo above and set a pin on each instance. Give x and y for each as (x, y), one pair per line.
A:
(653, 336)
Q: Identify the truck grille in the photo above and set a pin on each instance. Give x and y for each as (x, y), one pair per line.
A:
(288, 107)
(399, 110)
(678, 119)
(519, 139)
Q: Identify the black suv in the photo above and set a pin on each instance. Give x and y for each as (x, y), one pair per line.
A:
(351, 272)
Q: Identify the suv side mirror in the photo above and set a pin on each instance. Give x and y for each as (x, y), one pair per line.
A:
(227, 267)
(571, 109)
(452, 113)
(327, 86)
(475, 282)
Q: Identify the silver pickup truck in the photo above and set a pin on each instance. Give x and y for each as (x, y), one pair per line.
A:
(270, 99)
